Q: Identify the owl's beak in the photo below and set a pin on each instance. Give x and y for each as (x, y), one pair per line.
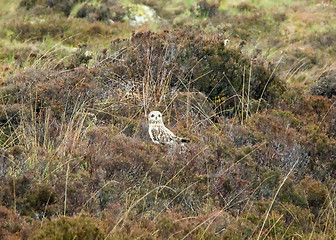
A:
(155, 118)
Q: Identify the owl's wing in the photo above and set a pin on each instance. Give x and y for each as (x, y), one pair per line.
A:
(174, 138)
(163, 135)
(170, 133)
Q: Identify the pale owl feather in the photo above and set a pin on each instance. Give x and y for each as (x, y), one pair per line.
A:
(159, 133)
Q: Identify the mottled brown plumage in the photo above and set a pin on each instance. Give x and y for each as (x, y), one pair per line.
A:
(159, 133)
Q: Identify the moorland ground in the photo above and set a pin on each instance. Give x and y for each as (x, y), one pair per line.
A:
(79, 77)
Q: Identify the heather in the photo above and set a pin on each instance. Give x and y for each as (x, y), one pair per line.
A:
(78, 79)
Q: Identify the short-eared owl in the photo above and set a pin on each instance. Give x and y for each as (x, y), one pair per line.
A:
(159, 133)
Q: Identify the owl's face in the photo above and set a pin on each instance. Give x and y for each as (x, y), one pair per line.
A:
(155, 117)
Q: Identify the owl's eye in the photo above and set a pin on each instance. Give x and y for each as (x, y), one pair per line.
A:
(152, 115)
(159, 115)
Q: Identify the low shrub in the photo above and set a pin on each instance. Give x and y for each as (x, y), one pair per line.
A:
(326, 84)
(183, 61)
(71, 228)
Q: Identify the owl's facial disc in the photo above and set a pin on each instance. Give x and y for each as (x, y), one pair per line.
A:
(155, 117)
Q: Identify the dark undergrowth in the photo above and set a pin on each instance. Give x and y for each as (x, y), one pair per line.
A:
(76, 160)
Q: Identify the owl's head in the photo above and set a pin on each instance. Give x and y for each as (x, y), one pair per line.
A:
(155, 117)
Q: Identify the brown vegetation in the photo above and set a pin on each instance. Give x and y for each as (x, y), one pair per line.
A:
(76, 161)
